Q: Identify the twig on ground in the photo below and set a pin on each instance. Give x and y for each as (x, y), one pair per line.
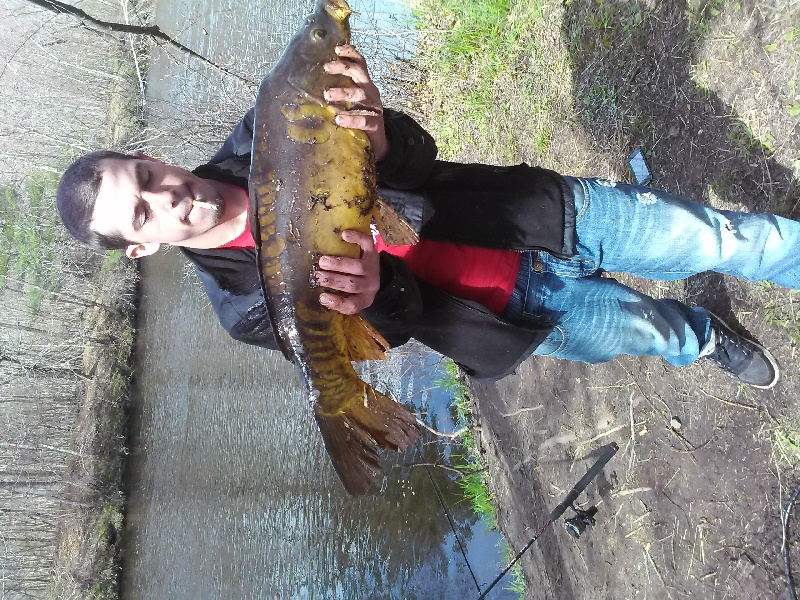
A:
(622, 493)
(632, 533)
(602, 435)
(521, 410)
(655, 568)
(728, 402)
(666, 485)
(689, 451)
(452, 435)
(632, 444)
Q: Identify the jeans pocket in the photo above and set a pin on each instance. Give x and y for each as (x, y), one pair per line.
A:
(580, 194)
(554, 342)
(578, 266)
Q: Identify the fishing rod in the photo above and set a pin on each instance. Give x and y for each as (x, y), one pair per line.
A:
(575, 525)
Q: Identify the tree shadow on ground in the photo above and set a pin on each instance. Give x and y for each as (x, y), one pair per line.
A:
(635, 77)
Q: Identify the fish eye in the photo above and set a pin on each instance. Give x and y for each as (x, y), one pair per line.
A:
(319, 34)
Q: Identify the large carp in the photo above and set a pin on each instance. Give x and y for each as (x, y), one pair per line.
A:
(311, 179)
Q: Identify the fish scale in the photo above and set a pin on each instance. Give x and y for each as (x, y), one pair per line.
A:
(310, 180)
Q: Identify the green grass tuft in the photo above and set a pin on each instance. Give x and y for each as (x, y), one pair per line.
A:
(31, 235)
(475, 477)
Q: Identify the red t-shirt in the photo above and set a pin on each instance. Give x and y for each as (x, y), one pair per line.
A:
(480, 274)
(243, 240)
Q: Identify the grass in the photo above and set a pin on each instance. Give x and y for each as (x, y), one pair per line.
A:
(108, 528)
(472, 29)
(701, 13)
(474, 47)
(781, 308)
(786, 442)
(475, 478)
(31, 235)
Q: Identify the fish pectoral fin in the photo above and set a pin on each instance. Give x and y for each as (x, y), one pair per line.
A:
(354, 434)
(394, 229)
(364, 342)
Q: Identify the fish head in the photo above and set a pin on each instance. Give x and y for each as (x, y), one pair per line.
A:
(324, 29)
(314, 45)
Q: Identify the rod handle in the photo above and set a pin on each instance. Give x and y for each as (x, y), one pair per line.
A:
(608, 453)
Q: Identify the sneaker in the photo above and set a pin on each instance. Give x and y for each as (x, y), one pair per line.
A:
(742, 358)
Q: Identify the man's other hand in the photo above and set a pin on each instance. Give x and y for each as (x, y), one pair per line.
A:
(365, 110)
(357, 278)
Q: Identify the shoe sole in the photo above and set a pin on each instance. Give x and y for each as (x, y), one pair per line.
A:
(766, 352)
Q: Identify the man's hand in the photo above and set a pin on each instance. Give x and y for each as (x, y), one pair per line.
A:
(367, 110)
(358, 278)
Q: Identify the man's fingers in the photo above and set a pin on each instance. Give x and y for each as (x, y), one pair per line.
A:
(364, 240)
(349, 51)
(351, 94)
(343, 282)
(342, 304)
(342, 67)
(354, 69)
(353, 282)
(338, 264)
(358, 122)
(364, 96)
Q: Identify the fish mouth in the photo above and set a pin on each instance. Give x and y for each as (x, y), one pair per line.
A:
(338, 9)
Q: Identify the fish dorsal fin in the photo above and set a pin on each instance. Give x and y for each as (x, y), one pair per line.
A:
(394, 229)
(363, 340)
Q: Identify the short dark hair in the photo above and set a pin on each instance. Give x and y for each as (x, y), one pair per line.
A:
(76, 196)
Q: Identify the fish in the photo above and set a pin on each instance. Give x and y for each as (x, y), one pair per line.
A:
(310, 180)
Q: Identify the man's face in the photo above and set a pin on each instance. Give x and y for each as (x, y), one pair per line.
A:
(147, 201)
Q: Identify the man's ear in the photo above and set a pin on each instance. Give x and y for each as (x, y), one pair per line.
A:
(140, 250)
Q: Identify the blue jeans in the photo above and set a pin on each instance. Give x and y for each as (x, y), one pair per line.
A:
(652, 234)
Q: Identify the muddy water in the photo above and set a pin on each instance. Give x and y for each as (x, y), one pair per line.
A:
(231, 492)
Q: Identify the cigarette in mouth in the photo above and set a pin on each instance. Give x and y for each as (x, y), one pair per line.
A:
(201, 204)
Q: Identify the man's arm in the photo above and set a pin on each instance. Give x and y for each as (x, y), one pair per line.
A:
(230, 278)
(412, 153)
(239, 143)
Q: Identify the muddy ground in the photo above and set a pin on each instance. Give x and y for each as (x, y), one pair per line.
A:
(688, 513)
(691, 505)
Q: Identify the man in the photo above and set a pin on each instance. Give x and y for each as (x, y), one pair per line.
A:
(510, 259)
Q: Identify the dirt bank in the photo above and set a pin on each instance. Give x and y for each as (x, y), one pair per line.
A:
(687, 513)
(89, 535)
(691, 504)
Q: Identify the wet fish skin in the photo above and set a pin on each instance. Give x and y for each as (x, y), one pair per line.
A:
(310, 180)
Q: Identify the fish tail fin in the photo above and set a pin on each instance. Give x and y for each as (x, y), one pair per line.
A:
(354, 434)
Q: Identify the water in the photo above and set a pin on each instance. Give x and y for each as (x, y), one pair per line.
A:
(231, 492)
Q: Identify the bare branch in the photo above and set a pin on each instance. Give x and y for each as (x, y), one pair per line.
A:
(111, 27)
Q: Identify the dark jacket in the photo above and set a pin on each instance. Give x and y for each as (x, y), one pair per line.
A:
(517, 208)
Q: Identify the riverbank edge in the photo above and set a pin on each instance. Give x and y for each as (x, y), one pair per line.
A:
(89, 534)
